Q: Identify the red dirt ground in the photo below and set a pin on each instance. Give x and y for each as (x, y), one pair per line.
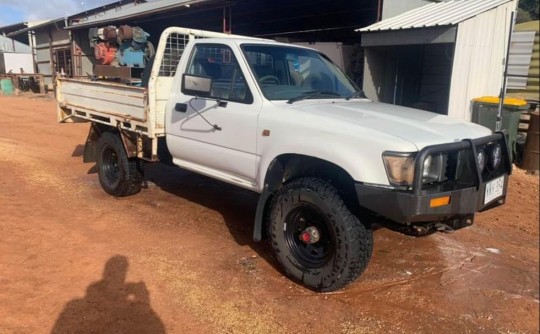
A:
(178, 257)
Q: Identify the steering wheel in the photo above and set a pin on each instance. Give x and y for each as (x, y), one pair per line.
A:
(270, 79)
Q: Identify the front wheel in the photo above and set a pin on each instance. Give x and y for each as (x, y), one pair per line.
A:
(118, 175)
(315, 237)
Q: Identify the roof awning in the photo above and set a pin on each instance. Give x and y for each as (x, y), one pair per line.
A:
(448, 13)
(36, 27)
(435, 35)
(430, 24)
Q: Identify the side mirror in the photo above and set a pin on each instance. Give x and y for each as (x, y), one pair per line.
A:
(196, 85)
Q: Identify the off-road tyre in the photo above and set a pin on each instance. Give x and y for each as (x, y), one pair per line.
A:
(345, 245)
(118, 175)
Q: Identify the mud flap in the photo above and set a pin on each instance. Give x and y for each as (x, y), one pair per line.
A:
(90, 148)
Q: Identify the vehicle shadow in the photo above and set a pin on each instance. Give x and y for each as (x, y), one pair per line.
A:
(78, 151)
(236, 205)
(111, 305)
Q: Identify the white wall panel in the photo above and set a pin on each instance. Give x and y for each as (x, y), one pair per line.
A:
(17, 62)
(478, 60)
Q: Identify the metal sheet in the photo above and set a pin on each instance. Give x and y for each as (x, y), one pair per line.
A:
(520, 59)
(18, 63)
(121, 72)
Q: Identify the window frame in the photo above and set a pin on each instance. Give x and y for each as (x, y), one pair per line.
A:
(248, 99)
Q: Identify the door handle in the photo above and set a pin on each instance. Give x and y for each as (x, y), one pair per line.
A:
(180, 107)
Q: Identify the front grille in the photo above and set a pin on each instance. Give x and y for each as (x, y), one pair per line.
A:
(460, 167)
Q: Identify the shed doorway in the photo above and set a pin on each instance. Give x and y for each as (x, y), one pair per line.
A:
(416, 76)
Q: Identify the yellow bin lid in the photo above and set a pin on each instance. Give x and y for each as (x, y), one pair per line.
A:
(508, 101)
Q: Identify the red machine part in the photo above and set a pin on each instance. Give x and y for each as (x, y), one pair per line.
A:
(104, 53)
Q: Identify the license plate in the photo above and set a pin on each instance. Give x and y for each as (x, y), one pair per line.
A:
(494, 189)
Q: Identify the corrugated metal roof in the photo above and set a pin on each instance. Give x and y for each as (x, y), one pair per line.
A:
(36, 27)
(13, 27)
(135, 11)
(436, 14)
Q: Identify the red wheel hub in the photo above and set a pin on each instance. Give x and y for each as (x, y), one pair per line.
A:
(310, 235)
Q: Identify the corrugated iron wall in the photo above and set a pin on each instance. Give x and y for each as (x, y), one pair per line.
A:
(478, 60)
(532, 89)
(49, 41)
(520, 58)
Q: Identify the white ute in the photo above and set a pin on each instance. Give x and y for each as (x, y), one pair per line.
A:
(284, 121)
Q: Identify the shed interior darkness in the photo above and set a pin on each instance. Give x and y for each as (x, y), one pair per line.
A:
(412, 75)
(313, 21)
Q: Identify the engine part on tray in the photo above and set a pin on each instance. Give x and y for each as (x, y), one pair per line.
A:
(123, 46)
(105, 34)
(129, 56)
(134, 52)
(104, 53)
(110, 33)
(125, 32)
(140, 37)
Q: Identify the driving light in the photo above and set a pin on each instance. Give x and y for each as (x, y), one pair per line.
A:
(496, 156)
(427, 165)
(432, 168)
(481, 159)
(399, 168)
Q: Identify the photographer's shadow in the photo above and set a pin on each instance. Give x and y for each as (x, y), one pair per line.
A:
(111, 305)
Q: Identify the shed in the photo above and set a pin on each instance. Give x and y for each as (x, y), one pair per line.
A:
(440, 56)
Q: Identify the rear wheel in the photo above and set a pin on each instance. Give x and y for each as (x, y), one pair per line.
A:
(118, 175)
(315, 237)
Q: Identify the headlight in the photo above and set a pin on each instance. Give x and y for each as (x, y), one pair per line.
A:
(495, 156)
(399, 168)
(432, 168)
(481, 159)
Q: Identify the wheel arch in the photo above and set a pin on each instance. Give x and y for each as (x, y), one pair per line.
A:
(96, 130)
(290, 166)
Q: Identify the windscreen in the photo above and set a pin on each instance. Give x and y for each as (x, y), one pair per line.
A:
(284, 72)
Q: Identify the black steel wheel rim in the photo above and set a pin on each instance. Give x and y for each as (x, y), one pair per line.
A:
(111, 167)
(309, 255)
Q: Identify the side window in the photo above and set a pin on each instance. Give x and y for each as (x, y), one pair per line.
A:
(219, 63)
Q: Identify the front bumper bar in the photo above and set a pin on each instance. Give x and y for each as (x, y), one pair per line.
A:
(466, 198)
(406, 207)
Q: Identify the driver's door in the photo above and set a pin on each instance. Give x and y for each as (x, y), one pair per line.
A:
(211, 137)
